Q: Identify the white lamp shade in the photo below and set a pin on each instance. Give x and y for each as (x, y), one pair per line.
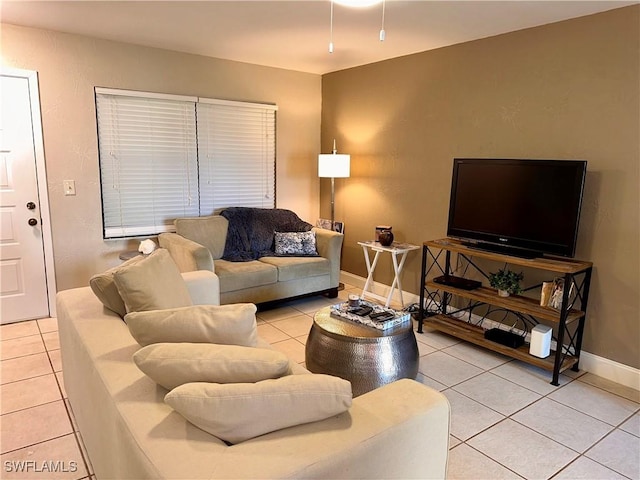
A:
(334, 165)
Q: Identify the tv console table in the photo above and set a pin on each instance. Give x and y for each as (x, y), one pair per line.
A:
(444, 315)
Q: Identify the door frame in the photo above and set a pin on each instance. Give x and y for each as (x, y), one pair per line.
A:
(41, 179)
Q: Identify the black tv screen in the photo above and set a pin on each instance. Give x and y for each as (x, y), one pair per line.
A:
(529, 207)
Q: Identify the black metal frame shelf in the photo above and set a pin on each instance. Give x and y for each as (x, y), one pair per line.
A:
(567, 321)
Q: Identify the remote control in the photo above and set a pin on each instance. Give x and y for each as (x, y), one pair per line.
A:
(362, 311)
(381, 316)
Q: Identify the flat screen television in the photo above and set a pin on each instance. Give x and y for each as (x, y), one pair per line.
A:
(526, 208)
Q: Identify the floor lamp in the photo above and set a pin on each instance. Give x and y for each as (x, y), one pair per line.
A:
(333, 165)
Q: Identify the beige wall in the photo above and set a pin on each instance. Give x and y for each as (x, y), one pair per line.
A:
(69, 66)
(564, 91)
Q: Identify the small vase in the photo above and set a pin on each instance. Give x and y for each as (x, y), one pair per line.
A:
(503, 293)
(385, 238)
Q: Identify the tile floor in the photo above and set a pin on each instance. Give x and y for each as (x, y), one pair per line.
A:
(507, 420)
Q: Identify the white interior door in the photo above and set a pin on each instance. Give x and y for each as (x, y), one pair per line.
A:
(23, 278)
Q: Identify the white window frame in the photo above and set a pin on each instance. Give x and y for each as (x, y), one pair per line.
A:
(189, 186)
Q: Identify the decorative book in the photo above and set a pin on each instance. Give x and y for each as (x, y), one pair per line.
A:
(376, 317)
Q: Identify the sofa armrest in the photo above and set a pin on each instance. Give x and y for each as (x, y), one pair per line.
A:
(203, 286)
(398, 431)
(329, 246)
(188, 255)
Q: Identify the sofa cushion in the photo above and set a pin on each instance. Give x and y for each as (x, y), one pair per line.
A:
(240, 411)
(298, 268)
(233, 324)
(210, 232)
(240, 275)
(105, 289)
(174, 364)
(295, 243)
(153, 283)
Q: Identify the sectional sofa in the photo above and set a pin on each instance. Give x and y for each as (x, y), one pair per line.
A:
(398, 431)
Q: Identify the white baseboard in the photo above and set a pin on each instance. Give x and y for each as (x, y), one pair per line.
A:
(600, 366)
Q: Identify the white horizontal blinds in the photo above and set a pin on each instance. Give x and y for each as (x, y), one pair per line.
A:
(237, 153)
(148, 161)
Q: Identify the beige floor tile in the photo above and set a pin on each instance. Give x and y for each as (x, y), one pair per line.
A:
(60, 379)
(468, 417)
(74, 424)
(586, 469)
(436, 339)
(430, 382)
(48, 325)
(522, 450)
(294, 326)
(480, 357)
(424, 349)
(56, 360)
(279, 313)
(55, 459)
(29, 393)
(292, 349)
(51, 340)
(446, 369)
(85, 454)
(18, 329)
(563, 424)
(21, 346)
(632, 425)
(454, 442)
(303, 339)
(593, 401)
(311, 305)
(611, 387)
(465, 463)
(497, 393)
(529, 376)
(619, 451)
(34, 425)
(271, 334)
(21, 368)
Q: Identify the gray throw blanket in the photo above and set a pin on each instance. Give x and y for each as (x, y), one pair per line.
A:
(251, 231)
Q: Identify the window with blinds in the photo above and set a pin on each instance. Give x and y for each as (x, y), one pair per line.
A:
(169, 156)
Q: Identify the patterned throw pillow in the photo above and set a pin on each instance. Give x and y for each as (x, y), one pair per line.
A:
(295, 243)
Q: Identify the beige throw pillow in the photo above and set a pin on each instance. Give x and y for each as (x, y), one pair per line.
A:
(174, 364)
(236, 412)
(233, 324)
(105, 288)
(153, 283)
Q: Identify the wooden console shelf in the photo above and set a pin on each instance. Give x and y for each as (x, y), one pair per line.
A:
(474, 334)
(567, 322)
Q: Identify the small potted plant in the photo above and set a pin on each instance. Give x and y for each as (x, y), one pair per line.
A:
(506, 282)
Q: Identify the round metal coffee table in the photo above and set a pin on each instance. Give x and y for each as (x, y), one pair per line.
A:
(367, 357)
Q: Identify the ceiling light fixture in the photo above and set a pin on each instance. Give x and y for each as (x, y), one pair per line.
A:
(355, 3)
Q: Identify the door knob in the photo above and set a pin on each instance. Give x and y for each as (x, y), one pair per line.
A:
(31, 206)
(33, 222)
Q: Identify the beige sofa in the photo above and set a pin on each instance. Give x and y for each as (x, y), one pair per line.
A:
(398, 431)
(199, 244)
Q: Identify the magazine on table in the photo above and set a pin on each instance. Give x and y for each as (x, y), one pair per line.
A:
(370, 314)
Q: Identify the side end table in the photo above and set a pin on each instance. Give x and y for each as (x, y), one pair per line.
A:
(395, 249)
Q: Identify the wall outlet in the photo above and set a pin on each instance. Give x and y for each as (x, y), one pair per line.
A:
(69, 187)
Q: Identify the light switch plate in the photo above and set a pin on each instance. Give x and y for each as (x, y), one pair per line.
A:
(69, 187)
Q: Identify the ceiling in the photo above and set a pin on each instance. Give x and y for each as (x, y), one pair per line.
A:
(295, 34)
